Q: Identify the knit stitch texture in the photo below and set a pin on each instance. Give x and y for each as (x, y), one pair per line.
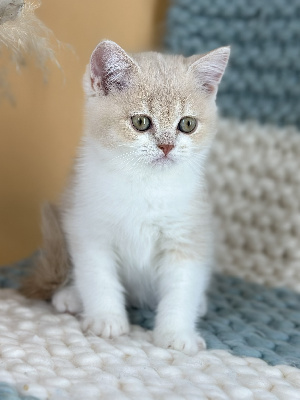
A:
(254, 182)
(45, 354)
(246, 319)
(262, 81)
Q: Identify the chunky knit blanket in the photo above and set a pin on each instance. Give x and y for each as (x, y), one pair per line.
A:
(253, 352)
(45, 355)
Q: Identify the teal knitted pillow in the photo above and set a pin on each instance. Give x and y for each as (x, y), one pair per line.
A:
(263, 78)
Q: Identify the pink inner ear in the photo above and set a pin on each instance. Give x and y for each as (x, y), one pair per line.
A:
(111, 68)
(208, 87)
(96, 73)
(210, 68)
(99, 67)
(213, 81)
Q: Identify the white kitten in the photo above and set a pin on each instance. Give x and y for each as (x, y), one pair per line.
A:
(135, 214)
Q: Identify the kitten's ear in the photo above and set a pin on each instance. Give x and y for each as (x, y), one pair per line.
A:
(111, 68)
(209, 69)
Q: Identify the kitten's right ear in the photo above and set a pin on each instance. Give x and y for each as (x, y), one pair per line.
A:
(111, 69)
(209, 69)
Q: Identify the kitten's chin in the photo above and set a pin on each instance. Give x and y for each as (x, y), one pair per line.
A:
(163, 162)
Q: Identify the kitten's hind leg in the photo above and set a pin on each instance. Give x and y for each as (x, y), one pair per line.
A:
(66, 299)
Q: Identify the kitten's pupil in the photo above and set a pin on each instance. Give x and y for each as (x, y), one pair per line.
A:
(187, 124)
(141, 122)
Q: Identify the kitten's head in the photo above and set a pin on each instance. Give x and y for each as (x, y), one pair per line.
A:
(150, 109)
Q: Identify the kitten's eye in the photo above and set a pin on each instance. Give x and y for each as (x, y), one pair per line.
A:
(187, 124)
(141, 122)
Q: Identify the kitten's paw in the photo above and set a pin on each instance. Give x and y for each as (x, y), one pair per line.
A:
(187, 342)
(108, 327)
(67, 300)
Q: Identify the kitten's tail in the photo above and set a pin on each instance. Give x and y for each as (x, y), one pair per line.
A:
(52, 265)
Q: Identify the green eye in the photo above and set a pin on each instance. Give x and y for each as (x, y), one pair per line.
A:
(141, 122)
(187, 124)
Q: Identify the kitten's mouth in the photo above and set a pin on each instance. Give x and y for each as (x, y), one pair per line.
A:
(163, 160)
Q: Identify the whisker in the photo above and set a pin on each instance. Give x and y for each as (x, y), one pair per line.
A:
(196, 166)
(126, 145)
(123, 160)
(122, 156)
(129, 160)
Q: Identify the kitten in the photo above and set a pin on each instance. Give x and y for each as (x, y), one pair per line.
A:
(135, 214)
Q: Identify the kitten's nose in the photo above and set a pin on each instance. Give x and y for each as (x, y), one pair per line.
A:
(166, 148)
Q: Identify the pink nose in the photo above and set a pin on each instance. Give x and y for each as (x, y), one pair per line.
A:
(166, 148)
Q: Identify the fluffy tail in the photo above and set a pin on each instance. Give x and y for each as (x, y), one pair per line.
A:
(52, 265)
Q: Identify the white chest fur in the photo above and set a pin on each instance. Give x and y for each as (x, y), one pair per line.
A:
(133, 216)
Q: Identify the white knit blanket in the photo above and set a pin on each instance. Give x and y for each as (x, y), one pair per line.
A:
(45, 354)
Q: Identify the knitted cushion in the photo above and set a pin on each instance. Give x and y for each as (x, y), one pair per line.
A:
(254, 182)
(262, 81)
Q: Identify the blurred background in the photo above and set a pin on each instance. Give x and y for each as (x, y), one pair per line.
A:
(41, 127)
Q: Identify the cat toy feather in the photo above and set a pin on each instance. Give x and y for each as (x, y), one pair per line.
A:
(23, 33)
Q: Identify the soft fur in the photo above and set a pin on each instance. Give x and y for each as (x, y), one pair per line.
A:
(52, 265)
(136, 220)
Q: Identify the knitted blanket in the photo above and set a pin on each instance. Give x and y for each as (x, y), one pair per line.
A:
(46, 355)
(253, 351)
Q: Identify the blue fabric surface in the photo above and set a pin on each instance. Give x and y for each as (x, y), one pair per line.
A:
(262, 81)
(248, 320)
(244, 318)
(8, 392)
(11, 275)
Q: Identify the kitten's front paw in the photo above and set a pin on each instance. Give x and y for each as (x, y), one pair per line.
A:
(66, 299)
(109, 326)
(187, 342)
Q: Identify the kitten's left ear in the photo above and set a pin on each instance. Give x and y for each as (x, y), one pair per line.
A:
(209, 69)
(111, 68)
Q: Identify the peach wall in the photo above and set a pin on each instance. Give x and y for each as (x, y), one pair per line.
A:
(38, 136)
